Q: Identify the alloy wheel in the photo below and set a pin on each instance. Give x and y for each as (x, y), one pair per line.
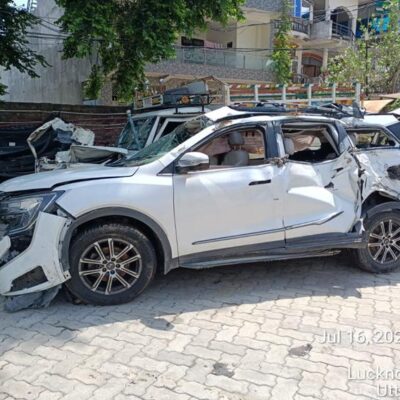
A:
(110, 266)
(383, 241)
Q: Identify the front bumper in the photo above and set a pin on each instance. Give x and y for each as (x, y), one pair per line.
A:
(43, 251)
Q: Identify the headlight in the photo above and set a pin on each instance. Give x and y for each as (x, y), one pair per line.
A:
(19, 213)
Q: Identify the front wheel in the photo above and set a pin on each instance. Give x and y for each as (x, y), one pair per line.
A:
(110, 264)
(382, 253)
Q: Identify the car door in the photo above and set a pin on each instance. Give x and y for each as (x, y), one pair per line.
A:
(378, 152)
(321, 196)
(228, 207)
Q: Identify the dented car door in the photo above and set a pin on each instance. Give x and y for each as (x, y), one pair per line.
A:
(378, 152)
(320, 196)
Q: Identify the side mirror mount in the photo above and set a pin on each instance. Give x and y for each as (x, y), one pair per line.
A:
(193, 161)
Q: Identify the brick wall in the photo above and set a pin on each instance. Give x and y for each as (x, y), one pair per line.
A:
(105, 121)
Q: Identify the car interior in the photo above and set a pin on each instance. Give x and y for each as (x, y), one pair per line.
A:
(238, 148)
(308, 143)
(370, 138)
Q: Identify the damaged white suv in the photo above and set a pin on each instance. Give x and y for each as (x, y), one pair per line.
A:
(229, 187)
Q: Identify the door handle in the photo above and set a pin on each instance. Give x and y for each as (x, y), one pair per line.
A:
(254, 183)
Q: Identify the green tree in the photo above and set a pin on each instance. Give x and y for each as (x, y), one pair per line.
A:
(128, 34)
(14, 49)
(282, 53)
(374, 60)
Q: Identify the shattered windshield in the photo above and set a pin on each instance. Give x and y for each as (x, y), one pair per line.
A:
(167, 143)
(141, 128)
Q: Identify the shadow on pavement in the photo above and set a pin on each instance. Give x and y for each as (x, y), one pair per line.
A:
(173, 299)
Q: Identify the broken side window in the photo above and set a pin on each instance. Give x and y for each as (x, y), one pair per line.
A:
(308, 143)
(370, 138)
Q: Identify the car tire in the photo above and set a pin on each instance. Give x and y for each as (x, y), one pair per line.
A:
(110, 264)
(382, 254)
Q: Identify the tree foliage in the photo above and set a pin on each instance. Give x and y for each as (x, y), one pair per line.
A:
(14, 50)
(375, 58)
(282, 54)
(128, 34)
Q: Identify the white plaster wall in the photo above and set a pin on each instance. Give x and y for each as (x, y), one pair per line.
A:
(61, 82)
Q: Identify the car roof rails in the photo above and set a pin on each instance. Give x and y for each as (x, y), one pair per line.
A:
(329, 110)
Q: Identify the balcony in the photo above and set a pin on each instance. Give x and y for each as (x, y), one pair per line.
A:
(328, 30)
(221, 63)
(299, 27)
(228, 58)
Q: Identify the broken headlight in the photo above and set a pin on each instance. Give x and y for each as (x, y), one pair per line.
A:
(19, 213)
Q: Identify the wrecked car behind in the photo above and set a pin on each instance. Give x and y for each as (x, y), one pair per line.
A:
(22, 149)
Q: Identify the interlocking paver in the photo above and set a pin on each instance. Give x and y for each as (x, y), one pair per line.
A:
(236, 333)
(197, 390)
(21, 390)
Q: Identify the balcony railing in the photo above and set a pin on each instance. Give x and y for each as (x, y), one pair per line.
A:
(297, 25)
(342, 31)
(222, 58)
(328, 30)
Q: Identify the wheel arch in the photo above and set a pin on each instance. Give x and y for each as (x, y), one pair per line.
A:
(134, 218)
(377, 202)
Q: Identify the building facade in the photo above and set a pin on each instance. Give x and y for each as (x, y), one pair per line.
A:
(237, 53)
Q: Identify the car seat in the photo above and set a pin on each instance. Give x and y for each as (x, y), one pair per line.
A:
(237, 157)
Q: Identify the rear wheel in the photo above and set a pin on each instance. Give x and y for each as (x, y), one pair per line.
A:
(110, 264)
(382, 253)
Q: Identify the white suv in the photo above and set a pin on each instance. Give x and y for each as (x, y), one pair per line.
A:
(229, 187)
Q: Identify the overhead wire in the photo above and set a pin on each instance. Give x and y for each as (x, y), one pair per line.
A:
(59, 35)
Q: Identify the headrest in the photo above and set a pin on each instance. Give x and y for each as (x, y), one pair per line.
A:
(289, 146)
(236, 139)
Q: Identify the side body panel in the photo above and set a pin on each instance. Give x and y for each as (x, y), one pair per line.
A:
(321, 198)
(225, 208)
(381, 171)
(145, 192)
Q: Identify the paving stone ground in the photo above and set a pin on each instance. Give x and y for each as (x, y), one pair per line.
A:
(302, 330)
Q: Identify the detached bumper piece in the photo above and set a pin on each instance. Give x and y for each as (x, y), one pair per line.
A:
(38, 267)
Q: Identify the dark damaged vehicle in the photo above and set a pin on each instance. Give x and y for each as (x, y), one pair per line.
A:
(229, 187)
(22, 148)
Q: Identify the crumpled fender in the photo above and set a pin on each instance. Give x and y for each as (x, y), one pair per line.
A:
(384, 207)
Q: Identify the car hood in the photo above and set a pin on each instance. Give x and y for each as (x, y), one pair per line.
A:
(48, 180)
